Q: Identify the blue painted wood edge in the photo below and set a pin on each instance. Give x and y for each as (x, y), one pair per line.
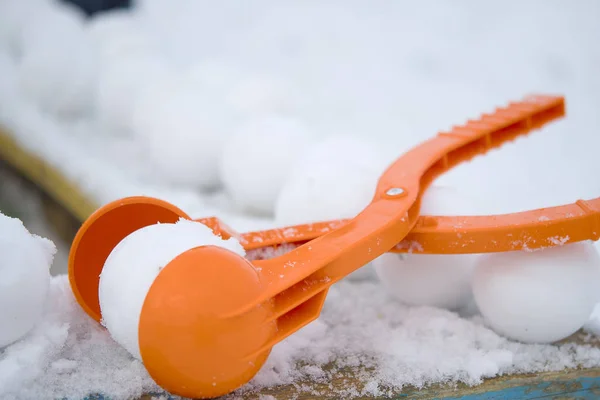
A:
(584, 388)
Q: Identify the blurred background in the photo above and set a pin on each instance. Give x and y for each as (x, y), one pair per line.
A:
(391, 72)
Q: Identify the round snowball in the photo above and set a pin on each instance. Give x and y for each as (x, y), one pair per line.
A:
(185, 135)
(60, 76)
(117, 33)
(541, 296)
(436, 280)
(24, 278)
(13, 15)
(121, 82)
(218, 76)
(49, 24)
(336, 179)
(135, 262)
(260, 94)
(433, 280)
(257, 159)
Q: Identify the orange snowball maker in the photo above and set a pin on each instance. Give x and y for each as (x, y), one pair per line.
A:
(211, 317)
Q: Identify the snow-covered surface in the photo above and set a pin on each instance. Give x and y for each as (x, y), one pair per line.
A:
(166, 86)
(70, 356)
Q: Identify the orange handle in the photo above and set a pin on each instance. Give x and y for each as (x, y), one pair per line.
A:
(527, 230)
(297, 280)
(211, 305)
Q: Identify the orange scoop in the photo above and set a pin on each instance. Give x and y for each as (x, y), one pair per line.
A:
(210, 318)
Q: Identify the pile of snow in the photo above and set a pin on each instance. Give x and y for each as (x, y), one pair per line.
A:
(71, 356)
(63, 353)
(24, 279)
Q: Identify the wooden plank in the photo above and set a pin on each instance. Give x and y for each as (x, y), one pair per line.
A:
(46, 177)
(66, 207)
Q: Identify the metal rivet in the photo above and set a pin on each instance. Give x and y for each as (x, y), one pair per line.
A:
(395, 192)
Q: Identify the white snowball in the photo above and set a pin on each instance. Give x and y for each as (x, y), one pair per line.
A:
(135, 262)
(185, 135)
(60, 76)
(119, 33)
(260, 94)
(447, 200)
(436, 280)
(218, 76)
(247, 93)
(427, 279)
(13, 15)
(120, 84)
(593, 324)
(541, 296)
(257, 159)
(50, 23)
(336, 179)
(24, 278)
(335, 191)
(149, 102)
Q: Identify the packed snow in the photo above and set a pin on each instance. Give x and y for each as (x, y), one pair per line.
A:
(257, 161)
(24, 279)
(132, 267)
(447, 277)
(334, 179)
(541, 296)
(163, 100)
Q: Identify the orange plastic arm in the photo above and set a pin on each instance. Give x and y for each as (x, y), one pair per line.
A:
(528, 230)
(297, 281)
(212, 305)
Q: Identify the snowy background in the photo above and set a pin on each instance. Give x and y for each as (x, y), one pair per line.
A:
(221, 107)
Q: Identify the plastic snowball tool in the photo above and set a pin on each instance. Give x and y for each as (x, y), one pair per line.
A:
(211, 317)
